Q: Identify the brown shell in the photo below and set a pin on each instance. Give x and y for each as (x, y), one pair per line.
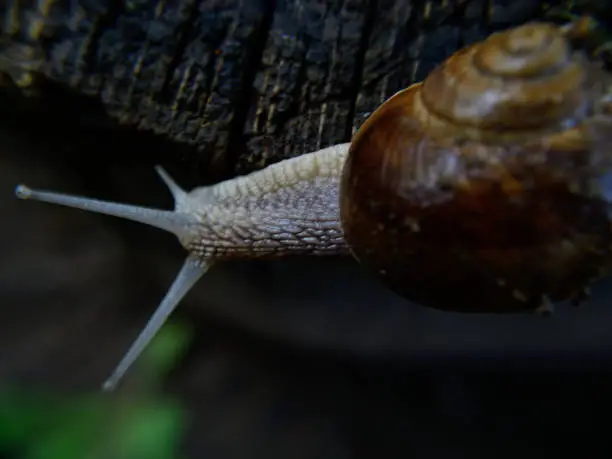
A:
(488, 187)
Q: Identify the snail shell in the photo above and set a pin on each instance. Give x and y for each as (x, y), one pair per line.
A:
(488, 186)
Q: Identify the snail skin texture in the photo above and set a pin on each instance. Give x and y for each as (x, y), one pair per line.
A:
(485, 188)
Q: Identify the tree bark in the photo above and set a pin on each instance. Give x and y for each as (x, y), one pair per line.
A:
(242, 83)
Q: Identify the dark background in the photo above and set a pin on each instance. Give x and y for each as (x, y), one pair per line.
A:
(298, 358)
(292, 359)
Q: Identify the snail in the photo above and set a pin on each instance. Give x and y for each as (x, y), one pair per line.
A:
(487, 187)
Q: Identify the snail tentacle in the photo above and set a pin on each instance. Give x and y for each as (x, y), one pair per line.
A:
(178, 194)
(193, 269)
(174, 222)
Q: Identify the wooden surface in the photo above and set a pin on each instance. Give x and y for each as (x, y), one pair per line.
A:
(241, 83)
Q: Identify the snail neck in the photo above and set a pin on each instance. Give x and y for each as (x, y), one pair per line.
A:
(288, 208)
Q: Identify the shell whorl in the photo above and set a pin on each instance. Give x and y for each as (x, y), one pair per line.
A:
(513, 85)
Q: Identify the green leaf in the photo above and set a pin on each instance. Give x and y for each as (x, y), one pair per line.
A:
(151, 432)
(165, 349)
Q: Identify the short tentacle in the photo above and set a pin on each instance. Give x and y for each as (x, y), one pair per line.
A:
(178, 194)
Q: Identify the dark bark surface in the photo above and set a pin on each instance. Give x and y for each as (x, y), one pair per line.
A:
(243, 82)
(295, 359)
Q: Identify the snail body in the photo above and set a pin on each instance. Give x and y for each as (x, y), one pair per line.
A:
(484, 188)
(288, 208)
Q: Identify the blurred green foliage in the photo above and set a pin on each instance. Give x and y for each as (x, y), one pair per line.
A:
(134, 422)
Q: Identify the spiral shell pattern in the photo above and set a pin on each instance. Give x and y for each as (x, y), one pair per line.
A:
(516, 83)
